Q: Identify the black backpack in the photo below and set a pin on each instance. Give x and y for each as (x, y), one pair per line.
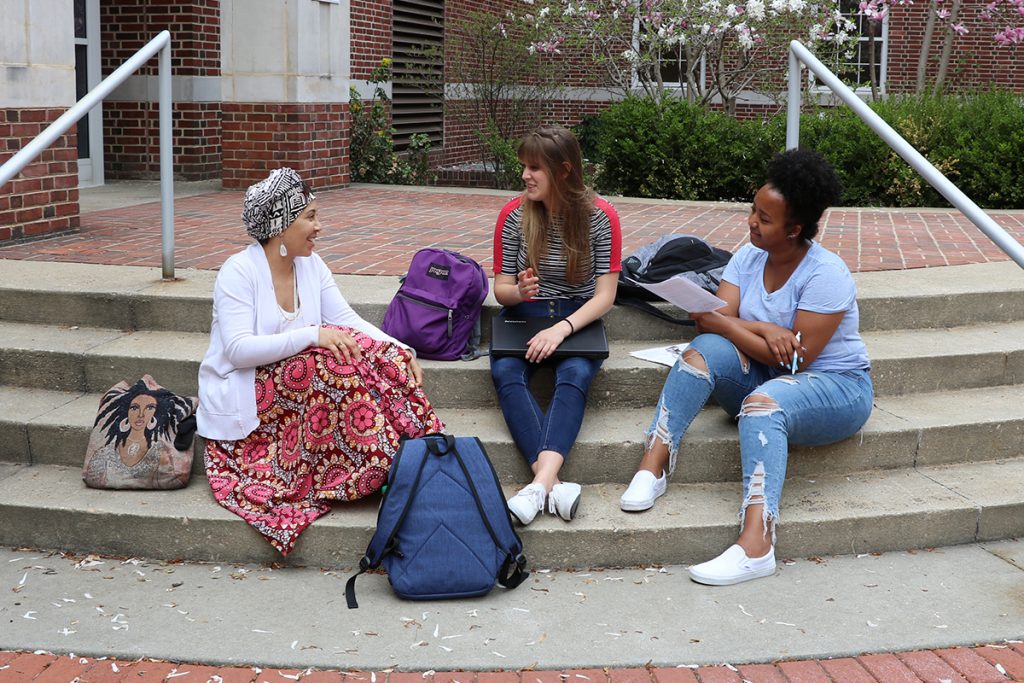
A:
(666, 257)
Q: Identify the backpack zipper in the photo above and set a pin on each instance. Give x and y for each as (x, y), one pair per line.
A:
(450, 312)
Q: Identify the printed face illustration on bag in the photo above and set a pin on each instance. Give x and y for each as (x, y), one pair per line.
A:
(141, 412)
(133, 436)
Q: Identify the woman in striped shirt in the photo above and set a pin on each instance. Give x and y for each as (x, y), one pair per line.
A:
(556, 255)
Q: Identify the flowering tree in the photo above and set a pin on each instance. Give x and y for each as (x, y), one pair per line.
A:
(1005, 13)
(740, 44)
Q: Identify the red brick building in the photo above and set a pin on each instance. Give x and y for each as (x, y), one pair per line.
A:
(263, 83)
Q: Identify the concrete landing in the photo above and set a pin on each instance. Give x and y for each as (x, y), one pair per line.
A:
(296, 618)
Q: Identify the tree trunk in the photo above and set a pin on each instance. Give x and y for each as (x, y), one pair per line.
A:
(947, 48)
(926, 47)
(871, 63)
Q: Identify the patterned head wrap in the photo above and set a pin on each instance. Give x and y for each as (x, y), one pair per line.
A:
(272, 204)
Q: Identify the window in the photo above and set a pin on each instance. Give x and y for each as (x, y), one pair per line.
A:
(872, 37)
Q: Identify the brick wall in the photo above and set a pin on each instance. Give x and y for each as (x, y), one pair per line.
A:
(370, 33)
(311, 138)
(977, 61)
(43, 198)
(131, 129)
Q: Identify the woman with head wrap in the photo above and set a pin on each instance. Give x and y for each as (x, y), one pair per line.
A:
(301, 401)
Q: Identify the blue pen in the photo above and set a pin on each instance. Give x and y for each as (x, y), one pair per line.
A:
(792, 368)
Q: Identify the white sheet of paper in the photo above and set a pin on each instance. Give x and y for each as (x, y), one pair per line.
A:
(664, 355)
(685, 294)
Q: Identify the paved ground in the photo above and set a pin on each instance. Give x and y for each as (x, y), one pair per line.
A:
(810, 622)
(373, 230)
(987, 664)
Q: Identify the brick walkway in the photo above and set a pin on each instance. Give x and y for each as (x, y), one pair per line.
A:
(986, 664)
(373, 230)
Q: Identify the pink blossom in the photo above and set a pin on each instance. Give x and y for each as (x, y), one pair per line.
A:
(959, 29)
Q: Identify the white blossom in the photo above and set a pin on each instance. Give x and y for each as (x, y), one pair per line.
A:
(755, 8)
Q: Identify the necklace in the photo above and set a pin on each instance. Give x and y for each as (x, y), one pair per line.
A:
(294, 313)
(133, 449)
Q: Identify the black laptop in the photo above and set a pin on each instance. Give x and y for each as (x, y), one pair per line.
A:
(509, 337)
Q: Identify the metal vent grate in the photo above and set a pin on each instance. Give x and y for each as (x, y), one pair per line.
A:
(417, 91)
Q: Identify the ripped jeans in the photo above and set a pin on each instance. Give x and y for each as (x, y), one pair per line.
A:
(810, 408)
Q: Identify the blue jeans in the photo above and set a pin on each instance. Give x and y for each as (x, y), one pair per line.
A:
(774, 410)
(532, 429)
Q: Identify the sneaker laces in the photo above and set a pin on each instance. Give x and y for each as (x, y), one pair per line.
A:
(535, 494)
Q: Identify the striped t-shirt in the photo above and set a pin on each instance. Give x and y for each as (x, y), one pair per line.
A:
(510, 256)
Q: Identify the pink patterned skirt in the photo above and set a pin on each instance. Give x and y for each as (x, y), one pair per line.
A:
(327, 432)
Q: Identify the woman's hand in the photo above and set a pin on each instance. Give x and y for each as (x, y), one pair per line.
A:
(342, 345)
(782, 343)
(711, 321)
(544, 343)
(416, 370)
(528, 284)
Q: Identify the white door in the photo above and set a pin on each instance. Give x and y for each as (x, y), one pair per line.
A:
(87, 77)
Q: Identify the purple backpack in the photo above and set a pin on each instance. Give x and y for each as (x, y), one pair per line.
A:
(437, 308)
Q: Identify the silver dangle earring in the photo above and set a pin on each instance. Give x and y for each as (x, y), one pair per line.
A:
(124, 426)
(282, 250)
(151, 425)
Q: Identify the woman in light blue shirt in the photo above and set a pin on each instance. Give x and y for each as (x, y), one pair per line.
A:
(784, 356)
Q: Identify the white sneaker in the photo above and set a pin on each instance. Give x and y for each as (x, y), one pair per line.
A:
(733, 566)
(643, 491)
(527, 503)
(564, 499)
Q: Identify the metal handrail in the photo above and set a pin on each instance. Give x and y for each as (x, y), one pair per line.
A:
(797, 54)
(160, 44)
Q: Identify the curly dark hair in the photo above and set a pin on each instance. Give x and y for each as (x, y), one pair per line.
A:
(809, 185)
(171, 409)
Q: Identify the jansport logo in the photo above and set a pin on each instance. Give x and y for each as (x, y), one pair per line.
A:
(438, 271)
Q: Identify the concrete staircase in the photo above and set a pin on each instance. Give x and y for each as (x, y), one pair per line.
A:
(941, 461)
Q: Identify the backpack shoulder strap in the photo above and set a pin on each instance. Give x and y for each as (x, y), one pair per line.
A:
(403, 482)
(647, 307)
(489, 501)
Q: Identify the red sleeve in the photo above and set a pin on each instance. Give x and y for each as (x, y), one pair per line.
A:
(499, 227)
(615, 260)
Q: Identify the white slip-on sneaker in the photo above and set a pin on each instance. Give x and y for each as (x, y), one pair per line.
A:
(643, 491)
(527, 503)
(564, 499)
(733, 566)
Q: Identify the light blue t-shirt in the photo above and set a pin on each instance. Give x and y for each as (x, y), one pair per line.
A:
(820, 284)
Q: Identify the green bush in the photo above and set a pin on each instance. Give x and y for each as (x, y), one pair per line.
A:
(372, 149)
(682, 151)
(503, 154)
(675, 149)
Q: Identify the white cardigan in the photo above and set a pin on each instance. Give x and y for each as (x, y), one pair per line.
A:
(244, 335)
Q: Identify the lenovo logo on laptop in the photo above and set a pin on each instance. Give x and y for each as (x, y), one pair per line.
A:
(438, 271)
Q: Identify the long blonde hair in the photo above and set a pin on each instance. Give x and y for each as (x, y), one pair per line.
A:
(556, 150)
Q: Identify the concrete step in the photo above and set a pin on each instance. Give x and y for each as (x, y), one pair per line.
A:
(48, 506)
(132, 298)
(46, 427)
(92, 359)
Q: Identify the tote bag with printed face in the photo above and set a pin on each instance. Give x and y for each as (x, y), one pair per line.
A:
(142, 438)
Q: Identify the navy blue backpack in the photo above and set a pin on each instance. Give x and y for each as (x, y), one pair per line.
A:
(443, 529)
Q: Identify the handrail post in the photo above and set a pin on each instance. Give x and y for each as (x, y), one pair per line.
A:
(1002, 239)
(159, 45)
(793, 103)
(166, 164)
